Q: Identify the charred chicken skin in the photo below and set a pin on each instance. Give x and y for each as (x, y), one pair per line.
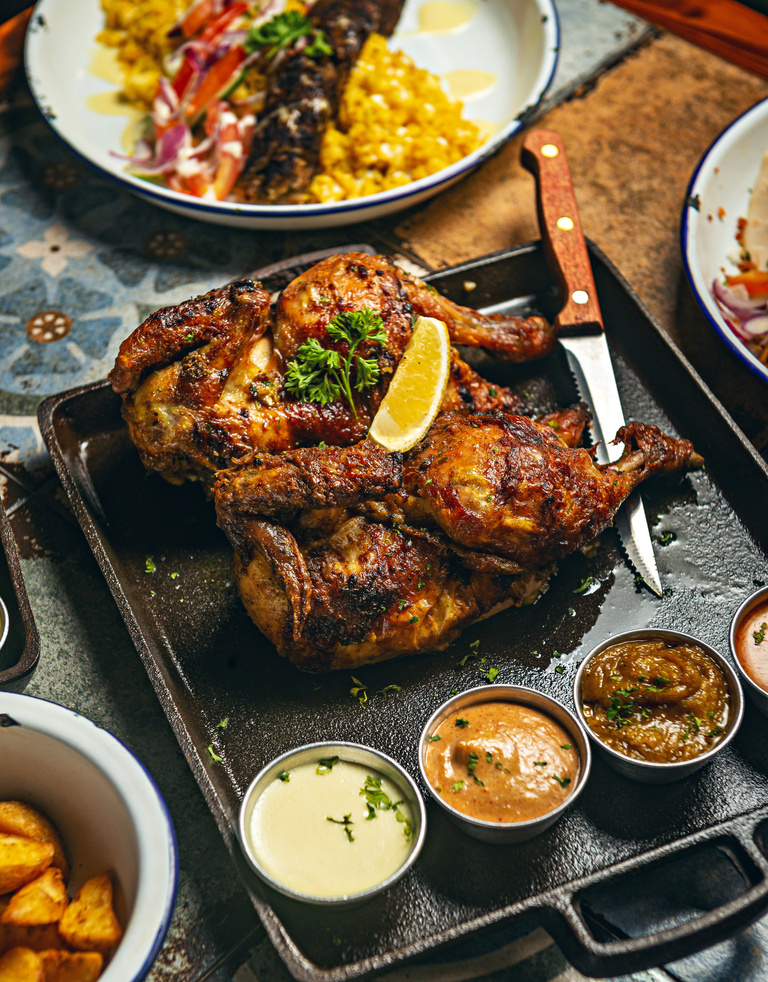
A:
(303, 97)
(352, 555)
(203, 383)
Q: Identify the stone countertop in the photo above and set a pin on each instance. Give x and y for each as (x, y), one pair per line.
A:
(636, 109)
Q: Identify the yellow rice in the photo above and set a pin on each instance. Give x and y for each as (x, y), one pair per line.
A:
(395, 122)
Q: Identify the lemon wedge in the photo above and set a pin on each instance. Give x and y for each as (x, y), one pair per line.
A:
(416, 391)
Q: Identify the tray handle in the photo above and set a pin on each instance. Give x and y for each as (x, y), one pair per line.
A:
(566, 922)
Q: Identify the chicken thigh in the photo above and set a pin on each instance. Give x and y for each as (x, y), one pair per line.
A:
(346, 556)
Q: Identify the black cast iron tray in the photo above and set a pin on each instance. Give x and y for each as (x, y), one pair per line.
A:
(20, 653)
(208, 662)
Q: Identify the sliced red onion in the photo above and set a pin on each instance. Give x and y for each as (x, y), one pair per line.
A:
(755, 327)
(167, 151)
(741, 306)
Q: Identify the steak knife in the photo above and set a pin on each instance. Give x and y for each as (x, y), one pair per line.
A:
(580, 327)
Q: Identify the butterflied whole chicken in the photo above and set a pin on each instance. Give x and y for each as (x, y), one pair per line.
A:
(353, 555)
(204, 383)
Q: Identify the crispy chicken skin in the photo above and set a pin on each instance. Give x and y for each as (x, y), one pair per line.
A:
(352, 555)
(203, 382)
(303, 96)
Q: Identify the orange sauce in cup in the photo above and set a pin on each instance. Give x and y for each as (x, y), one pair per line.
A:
(752, 644)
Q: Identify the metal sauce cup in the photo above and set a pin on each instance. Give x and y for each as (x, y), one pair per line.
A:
(652, 772)
(503, 832)
(352, 753)
(757, 695)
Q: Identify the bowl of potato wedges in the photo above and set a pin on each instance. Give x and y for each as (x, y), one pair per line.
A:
(88, 858)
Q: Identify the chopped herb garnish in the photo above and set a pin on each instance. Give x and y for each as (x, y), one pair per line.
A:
(562, 781)
(760, 635)
(585, 584)
(326, 764)
(471, 765)
(560, 669)
(461, 722)
(284, 776)
(622, 706)
(214, 756)
(412, 620)
(281, 32)
(223, 723)
(322, 375)
(360, 691)
(149, 566)
(434, 738)
(490, 674)
(539, 763)
(457, 786)
(565, 746)
(346, 822)
(379, 800)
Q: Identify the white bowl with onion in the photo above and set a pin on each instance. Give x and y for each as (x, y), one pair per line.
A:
(726, 187)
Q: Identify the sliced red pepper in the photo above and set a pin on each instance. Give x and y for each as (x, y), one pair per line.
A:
(187, 70)
(219, 24)
(230, 164)
(196, 17)
(215, 81)
(755, 281)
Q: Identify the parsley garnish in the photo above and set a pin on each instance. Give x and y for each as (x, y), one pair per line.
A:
(322, 375)
(214, 756)
(326, 764)
(760, 635)
(149, 565)
(585, 584)
(282, 30)
(346, 822)
(471, 765)
(433, 738)
(378, 800)
(461, 722)
(562, 781)
(284, 776)
(457, 786)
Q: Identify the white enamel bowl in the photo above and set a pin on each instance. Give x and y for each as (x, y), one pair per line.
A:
(110, 815)
(515, 40)
(718, 195)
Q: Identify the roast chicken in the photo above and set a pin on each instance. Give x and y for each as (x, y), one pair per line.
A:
(347, 556)
(203, 383)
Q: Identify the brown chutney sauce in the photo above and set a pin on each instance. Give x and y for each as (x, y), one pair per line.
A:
(751, 644)
(502, 762)
(655, 702)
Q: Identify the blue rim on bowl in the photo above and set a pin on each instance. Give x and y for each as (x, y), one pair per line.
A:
(58, 50)
(717, 196)
(123, 825)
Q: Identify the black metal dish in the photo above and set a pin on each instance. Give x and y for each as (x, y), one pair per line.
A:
(208, 662)
(21, 651)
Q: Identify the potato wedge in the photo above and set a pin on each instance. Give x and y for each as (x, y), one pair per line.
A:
(42, 901)
(21, 965)
(38, 937)
(71, 966)
(89, 923)
(22, 860)
(18, 818)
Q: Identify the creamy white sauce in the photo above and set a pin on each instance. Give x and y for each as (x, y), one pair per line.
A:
(755, 235)
(294, 841)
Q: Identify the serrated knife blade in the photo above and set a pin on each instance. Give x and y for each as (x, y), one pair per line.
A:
(580, 327)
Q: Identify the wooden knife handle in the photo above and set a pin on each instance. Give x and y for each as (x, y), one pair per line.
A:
(543, 154)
